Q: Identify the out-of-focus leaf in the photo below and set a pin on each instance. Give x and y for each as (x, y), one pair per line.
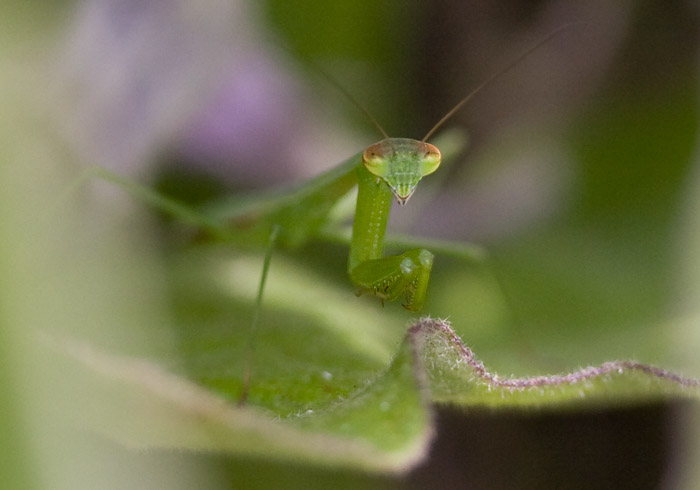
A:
(456, 376)
(379, 422)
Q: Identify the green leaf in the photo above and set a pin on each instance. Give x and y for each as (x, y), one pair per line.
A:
(383, 425)
(328, 386)
(456, 376)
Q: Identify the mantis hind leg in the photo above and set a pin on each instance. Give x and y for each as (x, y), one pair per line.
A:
(389, 278)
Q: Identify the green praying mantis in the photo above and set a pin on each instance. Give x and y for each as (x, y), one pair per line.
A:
(387, 170)
(391, 168)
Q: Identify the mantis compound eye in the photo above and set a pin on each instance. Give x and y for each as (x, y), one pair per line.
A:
(376, 160)
(431, 160)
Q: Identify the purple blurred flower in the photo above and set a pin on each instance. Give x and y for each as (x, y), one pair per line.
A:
(138, 77)
(132, 73)
(250, 129)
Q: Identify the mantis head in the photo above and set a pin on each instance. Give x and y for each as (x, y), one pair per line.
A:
(401, 163)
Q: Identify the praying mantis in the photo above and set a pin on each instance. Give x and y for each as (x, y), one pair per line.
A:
(389, 169)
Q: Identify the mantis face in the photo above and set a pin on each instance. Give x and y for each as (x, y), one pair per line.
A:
(401, 163)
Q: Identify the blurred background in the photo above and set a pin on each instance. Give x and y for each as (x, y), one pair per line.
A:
(580, 179)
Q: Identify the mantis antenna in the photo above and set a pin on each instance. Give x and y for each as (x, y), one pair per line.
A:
(354, 101)
(495, 76)
(459, 104)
